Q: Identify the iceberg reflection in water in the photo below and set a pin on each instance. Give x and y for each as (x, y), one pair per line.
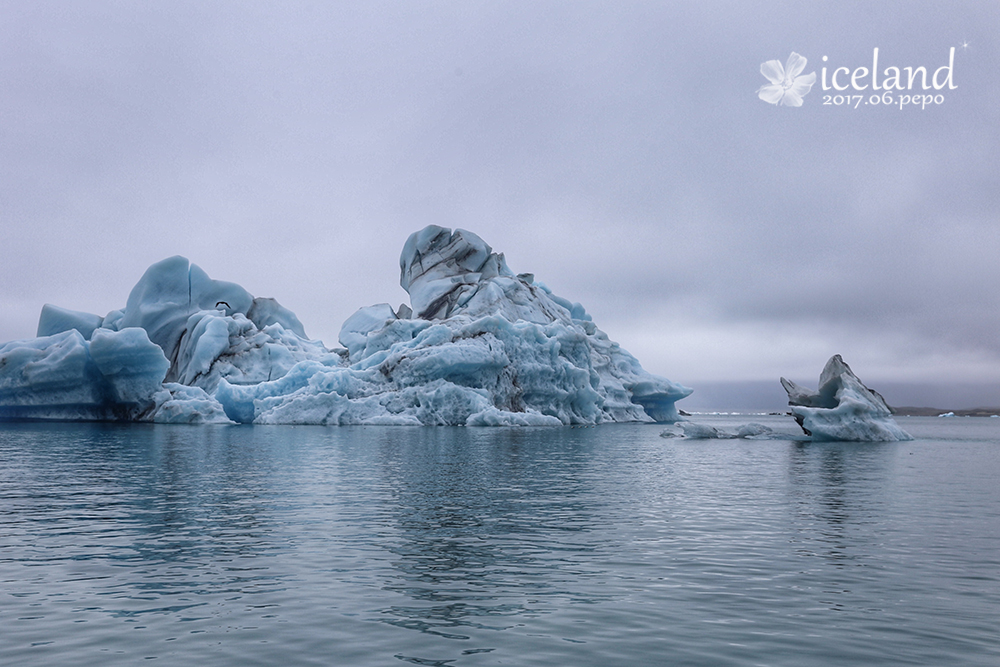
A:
(217, 545)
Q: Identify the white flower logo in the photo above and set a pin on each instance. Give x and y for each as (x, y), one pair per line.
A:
(786, 86)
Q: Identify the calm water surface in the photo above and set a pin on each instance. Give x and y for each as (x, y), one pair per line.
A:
(124, 545)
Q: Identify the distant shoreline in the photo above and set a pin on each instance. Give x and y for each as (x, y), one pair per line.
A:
(935, 412)
(906, 411)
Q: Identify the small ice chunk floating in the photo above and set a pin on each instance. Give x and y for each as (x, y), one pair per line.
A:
(695, 431)
(842, 408)
(477, 346)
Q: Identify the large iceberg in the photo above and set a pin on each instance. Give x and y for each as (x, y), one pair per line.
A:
(478, 345)
(842, 408)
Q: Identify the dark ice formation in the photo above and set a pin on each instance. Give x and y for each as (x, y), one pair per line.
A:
(842, 408)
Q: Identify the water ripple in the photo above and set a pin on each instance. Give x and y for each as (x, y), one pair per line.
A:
(367, 546)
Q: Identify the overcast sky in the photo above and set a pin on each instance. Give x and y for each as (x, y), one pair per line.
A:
(617, 150)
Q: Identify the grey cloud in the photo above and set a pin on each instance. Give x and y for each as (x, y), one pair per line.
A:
(617, 151)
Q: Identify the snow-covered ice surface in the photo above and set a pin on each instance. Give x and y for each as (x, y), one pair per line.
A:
(842, 408)
(478, 346)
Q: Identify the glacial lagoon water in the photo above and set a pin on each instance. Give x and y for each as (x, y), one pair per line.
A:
(174, 545)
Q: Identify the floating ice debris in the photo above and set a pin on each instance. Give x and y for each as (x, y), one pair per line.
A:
(485, 347)
(704, 432)
(695, 431)
(842, 408)
(947, 414)
(753, 430)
